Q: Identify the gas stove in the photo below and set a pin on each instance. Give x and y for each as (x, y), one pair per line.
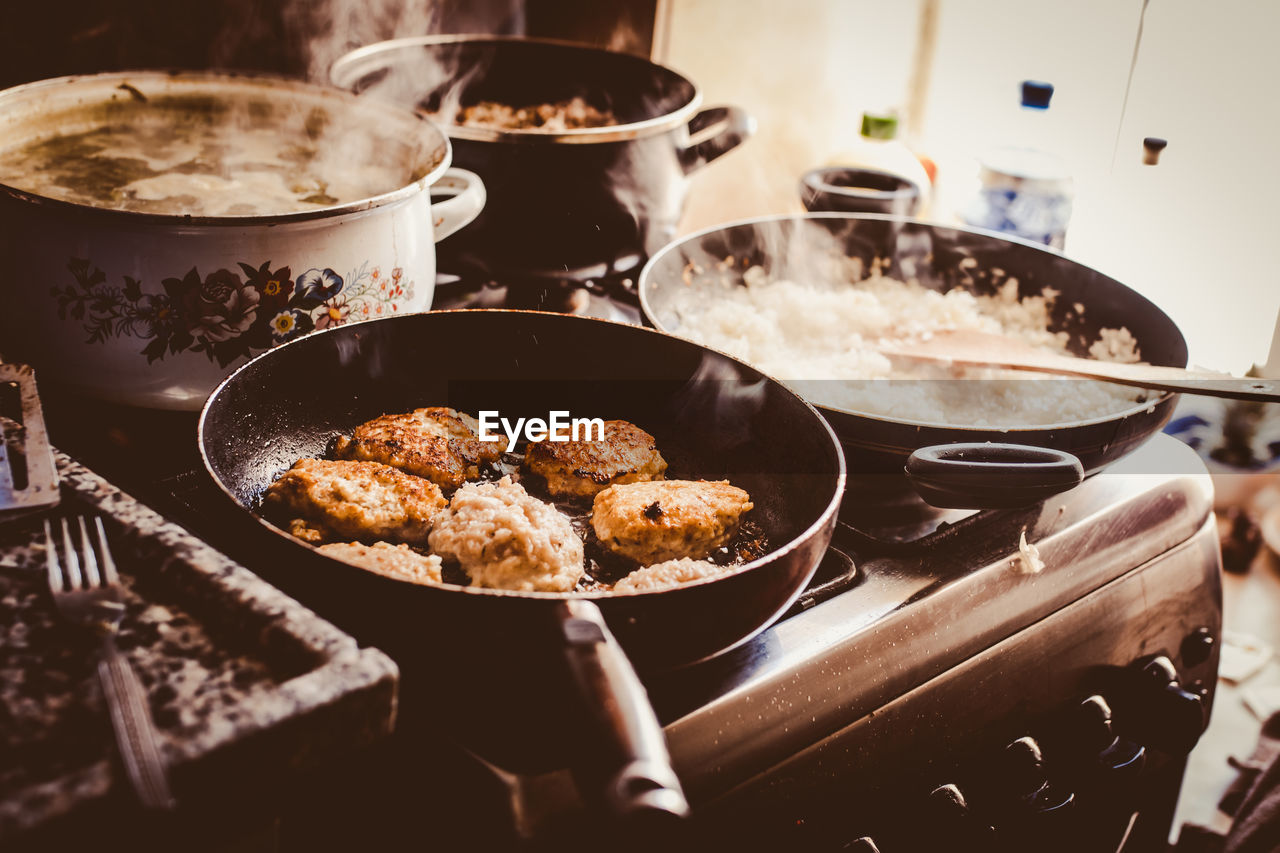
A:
(951, 672)
(929, 690)
(938, 693)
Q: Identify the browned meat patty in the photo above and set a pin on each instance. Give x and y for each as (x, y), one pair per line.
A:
(307, 531)
(581, 468)
(355, 500)
(437, 442)
(394, 561)
(668, 573)
(668, 519)
(504, 538)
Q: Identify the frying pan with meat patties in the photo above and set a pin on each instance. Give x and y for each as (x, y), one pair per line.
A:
(482, 652)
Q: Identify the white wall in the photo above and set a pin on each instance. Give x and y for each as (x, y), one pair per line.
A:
(1198, 232)
(1193, 233)
(805, 68)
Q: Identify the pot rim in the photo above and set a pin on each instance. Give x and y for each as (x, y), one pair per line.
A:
(351, 61)
(62, 206)
(820, 180)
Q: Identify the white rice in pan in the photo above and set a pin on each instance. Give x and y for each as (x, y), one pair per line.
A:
(821, 337)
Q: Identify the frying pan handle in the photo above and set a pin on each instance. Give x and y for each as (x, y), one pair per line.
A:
(634, 772)
(713, 132)
(987, 475)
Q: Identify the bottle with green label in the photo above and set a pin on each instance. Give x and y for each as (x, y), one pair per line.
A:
(878, 147)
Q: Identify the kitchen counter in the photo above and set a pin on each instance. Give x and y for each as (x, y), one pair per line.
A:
(244, 684)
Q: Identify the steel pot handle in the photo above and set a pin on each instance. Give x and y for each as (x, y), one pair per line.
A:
(987, 475)
(713, 132)
(634, 771)
(461, 198)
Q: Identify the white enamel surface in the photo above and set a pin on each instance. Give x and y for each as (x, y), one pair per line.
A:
(44, 240)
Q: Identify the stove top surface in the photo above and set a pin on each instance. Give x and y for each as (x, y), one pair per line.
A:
(888, 610)
(933, 602)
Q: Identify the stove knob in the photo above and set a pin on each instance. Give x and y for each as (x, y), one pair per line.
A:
(1197, 647)
(1041, 815)
(952, 824)
(1025, 779)
(1173, 718)
(1120, 759)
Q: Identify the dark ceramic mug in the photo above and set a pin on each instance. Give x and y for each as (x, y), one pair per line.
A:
(849, 190)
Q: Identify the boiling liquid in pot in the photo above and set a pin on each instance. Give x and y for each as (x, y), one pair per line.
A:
(206, 156)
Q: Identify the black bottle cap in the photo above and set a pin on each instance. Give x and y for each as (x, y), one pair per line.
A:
(1036, 94)
(1151, 148)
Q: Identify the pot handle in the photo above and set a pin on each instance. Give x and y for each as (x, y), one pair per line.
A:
(713, 132)
(988, 475)
(634, 771)
(462, 196)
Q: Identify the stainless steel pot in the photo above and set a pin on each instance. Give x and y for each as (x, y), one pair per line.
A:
(577, 203)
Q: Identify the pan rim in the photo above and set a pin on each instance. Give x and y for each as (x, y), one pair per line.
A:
(643, 284)
(824, 519)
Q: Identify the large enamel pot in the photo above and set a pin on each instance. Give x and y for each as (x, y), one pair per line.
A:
(574, 204)
(961, 465)
(154, 309)
(501, 669)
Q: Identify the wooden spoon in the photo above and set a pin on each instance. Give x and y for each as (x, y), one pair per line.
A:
(968, 347)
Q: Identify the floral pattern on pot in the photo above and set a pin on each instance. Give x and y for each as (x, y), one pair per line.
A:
(226, 314)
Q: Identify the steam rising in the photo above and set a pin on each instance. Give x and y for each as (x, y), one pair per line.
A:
(646, 181)
(331, 28)
(208, 145)
(718, 404)
(798, 319)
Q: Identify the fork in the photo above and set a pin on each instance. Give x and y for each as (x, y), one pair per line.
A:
(91, 598)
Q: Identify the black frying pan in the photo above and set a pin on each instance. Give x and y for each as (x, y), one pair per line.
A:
(978, 474)
(492, 652)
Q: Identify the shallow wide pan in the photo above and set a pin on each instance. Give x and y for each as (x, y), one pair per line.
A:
(940, 257)
(483, 652)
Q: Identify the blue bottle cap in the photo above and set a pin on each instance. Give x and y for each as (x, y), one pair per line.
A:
(1036, 94)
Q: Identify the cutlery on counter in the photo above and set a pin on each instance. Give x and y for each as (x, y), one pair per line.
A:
(86, 589)
(982, 349)
(82, 576)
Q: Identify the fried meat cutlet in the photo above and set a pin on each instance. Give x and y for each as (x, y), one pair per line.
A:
(395, 561)
(667, 573)
(504, 538)
(355, 500)
(668, 519)
(437, 442)
(627, 454)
